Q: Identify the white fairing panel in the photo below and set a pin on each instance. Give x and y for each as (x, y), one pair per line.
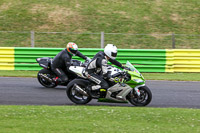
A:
(78, 70)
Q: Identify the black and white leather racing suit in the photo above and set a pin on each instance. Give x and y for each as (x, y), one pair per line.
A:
(61, 63)
(97, 66)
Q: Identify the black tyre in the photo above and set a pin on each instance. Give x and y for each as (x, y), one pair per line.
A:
(44, 81)
(76, 96)
(142, 100)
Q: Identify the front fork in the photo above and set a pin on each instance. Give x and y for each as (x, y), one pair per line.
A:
(136, 88)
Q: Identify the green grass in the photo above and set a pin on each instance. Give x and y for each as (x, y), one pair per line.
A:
(93, 16)
(17, 73)
(173, 76)
(100, 119)
(148, 76)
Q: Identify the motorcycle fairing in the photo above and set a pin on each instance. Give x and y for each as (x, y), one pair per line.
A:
(124, 90)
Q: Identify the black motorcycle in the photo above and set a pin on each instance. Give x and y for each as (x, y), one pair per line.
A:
(46, 76)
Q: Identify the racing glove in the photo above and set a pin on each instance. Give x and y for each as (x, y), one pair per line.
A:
(87, 60)
(126, 68)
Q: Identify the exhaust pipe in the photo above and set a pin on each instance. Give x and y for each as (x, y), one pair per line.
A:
(45, 77)
(80, 90)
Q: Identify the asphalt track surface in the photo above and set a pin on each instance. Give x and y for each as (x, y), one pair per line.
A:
(28, 91)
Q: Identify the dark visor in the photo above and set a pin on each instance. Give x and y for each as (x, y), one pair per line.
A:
(73, 51)
(113, 54)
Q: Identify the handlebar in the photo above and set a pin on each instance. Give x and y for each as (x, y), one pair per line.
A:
(118, 74)
(115, 75)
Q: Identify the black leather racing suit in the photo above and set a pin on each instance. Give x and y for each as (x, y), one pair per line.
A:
(62, 62)
(97, 66)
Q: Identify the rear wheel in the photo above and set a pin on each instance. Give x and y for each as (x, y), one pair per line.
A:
(142, 100)
(76, 96)
(45, 82)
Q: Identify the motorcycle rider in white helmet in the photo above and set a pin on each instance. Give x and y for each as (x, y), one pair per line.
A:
(96, 70)
(62, 61)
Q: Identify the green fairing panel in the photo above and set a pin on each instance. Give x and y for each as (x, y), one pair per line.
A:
(133, 84)
(135, 76)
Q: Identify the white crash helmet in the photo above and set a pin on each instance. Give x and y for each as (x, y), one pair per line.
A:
(72, 48)
(111, 51)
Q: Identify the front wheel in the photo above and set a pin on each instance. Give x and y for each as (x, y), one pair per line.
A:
(142, 100)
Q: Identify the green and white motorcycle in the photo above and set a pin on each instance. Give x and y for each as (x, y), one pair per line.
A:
(125, 86)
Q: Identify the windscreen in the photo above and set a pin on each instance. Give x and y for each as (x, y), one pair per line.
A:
(129, 65)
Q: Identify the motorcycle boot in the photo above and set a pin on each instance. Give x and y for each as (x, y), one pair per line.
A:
(57, 80)
(103, 93)
(93, 91)
(96, 87)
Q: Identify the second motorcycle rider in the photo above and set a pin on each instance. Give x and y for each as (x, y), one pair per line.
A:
(62, 61)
